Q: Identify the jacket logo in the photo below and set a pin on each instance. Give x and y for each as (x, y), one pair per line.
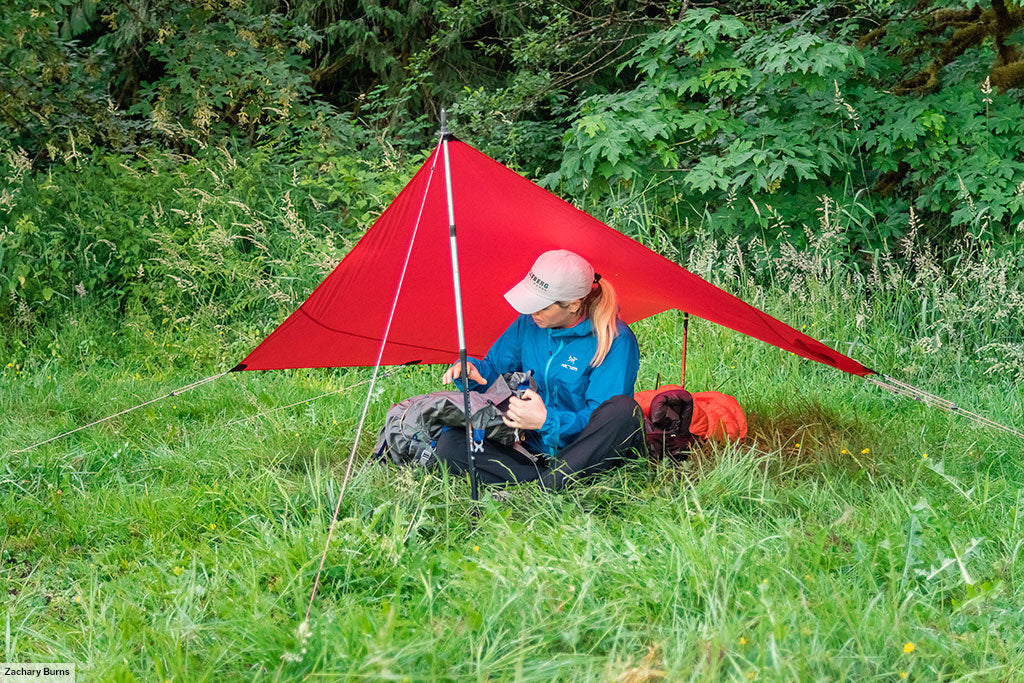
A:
(571, 364)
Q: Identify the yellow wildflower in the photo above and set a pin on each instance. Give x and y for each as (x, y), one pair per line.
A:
(865, 451)
(909, 647)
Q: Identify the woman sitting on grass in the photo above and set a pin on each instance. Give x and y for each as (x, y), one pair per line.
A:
(583, 420)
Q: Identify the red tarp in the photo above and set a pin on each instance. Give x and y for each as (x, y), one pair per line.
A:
(504, 222)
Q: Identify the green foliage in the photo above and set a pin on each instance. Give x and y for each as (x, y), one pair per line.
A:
(699, 119)
(55, 93)
(114, 74)
(247, 237)
(226, 70)
(693, 106)
(790, 113)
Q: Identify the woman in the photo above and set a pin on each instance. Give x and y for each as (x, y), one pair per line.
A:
(584, 359)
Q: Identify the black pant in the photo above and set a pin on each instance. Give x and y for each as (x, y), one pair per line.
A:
(614, 434)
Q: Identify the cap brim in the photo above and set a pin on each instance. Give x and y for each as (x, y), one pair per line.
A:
(525, 299)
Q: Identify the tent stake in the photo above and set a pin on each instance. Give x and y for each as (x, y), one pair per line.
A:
(458, 311)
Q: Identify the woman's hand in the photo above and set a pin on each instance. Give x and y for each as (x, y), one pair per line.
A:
(455, 371)
(528, 412)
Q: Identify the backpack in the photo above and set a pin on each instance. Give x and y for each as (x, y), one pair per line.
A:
(411, 426)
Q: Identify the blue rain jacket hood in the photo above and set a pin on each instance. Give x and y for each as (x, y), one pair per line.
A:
(560, 360)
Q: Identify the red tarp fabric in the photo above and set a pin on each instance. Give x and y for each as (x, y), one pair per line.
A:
(504, 222)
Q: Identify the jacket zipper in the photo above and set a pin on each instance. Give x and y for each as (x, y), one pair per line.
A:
(551, 357)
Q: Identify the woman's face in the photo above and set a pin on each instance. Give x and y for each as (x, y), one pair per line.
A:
(558, 315)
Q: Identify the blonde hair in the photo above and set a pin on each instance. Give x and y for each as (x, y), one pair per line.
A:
(601, 305)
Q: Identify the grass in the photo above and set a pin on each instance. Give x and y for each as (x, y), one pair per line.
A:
(173, 544)
(853, 535)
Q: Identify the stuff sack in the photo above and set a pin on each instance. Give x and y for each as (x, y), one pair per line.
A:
(668, 413)
(674, 418)
(411, 427)
(718, 417)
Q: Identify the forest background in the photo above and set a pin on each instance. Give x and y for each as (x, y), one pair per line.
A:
(123, 122)
(178, 176)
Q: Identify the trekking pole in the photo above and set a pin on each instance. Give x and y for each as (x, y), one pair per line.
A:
(470, 445)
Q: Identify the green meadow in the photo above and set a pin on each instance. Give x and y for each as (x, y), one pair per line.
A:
(854, 534)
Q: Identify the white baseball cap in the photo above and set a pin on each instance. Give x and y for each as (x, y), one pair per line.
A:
(558, 275)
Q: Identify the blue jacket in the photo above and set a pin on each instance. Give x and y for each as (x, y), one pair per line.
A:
(560, 360)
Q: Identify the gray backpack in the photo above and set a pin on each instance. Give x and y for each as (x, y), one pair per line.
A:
(412, 426)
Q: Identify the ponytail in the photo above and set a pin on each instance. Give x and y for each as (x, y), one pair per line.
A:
(602, 307)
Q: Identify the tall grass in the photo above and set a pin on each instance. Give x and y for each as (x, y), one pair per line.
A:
(853, 535)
